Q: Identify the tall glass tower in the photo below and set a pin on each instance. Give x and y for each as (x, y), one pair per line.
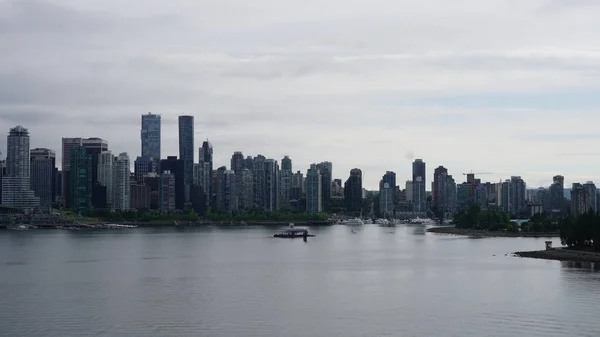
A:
(186, 147)
(150, 136)
(419, 194)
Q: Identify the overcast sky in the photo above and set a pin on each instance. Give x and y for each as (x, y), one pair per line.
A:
(502, 86)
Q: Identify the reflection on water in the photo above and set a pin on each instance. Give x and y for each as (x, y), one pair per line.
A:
(367, 281)
(579, 266)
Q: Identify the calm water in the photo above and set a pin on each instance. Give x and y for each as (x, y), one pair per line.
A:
(242, 282)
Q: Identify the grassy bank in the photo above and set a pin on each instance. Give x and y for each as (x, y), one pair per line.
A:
(486, 233)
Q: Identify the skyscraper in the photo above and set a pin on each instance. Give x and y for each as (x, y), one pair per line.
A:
(150, 136)
(271, 185)
(16, 184)
(579, 200)
(590, 190)
(387, 194)
(80, 179)
(237, 162)
(226, 190)
(258, 180)
(556, 191)
(176, 168)
(419, 183)
(186, 149)
(518, 191)
(167, 191)
(353, 191)
(314, 200)
(42, 175)
(286, 164)
(246, 193)
(285, 181)
(105, 175)
(438, 188)
(326, 170)
(206, 168)
(93, 147)
(121, 175)
(142, 167)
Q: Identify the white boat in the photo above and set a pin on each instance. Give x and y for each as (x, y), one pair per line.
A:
(353, 222)
(18, 228)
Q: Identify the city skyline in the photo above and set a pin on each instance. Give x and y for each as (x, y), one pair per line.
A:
(492, 86)
(429, 172)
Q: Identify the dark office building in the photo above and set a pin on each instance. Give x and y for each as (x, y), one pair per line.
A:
(177, 168)
(42, 170)
(353, 191)
(143, 166)
(186, 150)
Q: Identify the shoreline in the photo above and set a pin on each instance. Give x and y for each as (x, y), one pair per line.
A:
(479, 233)
(561, 254)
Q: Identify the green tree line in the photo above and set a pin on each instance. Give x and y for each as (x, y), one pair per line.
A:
(475, 218)
(582, 232)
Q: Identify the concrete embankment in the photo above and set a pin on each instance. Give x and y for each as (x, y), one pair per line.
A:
(485, 233)
(562, 254)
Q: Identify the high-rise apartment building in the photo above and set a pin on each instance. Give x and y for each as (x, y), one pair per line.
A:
(438, 190)
(326, 170)
(296, 190)
(387, 194)
(285, 181)
(246, 192)
(151, 137)
(105, 176)
(237, 162)
(186, 149)
(122, 188)
(206, 163)
(16, 183)
(591, 191)
(167, 198)
(557, 197)
(42, 175)
(271, 185)
(579, 199)
(259, 183)
(314, 199)
(518, 191)
(419, 183)
(226, 190)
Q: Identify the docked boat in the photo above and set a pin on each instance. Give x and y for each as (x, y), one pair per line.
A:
(353, 222)
(292, 232)
(18, 228)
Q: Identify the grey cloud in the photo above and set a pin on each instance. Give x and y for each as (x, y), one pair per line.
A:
(42, 17)
(277, 77)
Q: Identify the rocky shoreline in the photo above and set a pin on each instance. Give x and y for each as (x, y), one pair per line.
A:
(479, 233)
(562, 254)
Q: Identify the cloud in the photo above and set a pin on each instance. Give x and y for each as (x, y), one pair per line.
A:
(494, 85)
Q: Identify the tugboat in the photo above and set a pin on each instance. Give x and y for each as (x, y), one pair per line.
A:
(291, 233)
